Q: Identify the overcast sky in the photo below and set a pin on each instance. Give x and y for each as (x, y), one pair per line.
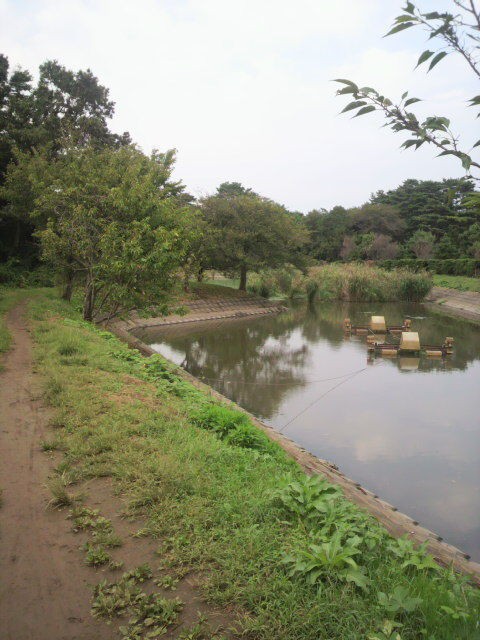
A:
(242, 88)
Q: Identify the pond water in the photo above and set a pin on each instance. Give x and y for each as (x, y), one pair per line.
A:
(406, 428)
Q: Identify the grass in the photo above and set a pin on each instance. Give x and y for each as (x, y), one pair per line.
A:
(358, 282)
(462, 283)
(286, 555)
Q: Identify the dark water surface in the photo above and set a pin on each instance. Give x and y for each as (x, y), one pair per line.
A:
(406, 428)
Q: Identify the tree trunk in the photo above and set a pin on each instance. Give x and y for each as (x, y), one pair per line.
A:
(243, 278)
(89, 300)
(68, 286)
(200, 274)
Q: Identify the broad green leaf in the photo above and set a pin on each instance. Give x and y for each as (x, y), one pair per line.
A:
(353, 105)
(411, 101)
(476, 144)
(345, 90)
(425, 56)
(433, 15)
(404, 95)
(364, 110)
(410, 8)
(399, 27)
(404, 18)
(437, 59)
(409, 143)
(466, 162)
(342, 81)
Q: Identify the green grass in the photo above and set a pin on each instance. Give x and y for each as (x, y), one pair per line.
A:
(288, 556)
(462, 283)
(232, 283)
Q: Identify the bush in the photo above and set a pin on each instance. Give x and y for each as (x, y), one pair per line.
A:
(234, 428)
(286, 281)
(14, 275)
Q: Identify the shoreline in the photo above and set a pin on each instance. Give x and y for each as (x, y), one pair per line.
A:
(396, 522)
(455, 303)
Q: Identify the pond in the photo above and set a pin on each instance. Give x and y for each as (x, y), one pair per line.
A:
(406, 428)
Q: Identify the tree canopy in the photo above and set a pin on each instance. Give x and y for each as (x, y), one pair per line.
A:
(246, 231)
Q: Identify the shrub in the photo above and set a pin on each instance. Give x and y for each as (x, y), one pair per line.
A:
(286, 281)
(234, 428)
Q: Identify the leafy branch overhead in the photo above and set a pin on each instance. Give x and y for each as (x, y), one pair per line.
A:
(456, 33)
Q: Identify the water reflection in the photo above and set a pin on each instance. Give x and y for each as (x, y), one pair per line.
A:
(408, 428)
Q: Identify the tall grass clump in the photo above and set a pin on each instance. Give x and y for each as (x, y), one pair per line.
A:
(359, 282)
(286, 281)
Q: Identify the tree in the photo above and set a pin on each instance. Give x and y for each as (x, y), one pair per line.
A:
(233, 189)
(437, 206)
(249, 232)
(62, 108)
(457, 33)
(327, 230)
(379, 218)
(422, 244)
(108, 217)
(383, 248)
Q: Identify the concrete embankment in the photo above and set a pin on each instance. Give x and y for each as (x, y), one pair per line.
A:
(463, 304)
(211, 308)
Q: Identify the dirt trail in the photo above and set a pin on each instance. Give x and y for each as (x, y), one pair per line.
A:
(44, 589)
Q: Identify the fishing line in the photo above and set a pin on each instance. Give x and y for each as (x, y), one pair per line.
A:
(350, 377)
(279, 384)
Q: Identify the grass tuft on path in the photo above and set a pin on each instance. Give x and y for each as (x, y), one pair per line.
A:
(287, 555)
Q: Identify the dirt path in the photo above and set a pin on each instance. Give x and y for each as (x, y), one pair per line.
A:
(464, 304)
(44, 589)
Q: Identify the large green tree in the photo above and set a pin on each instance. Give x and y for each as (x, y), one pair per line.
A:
(439, 207)
(107, 218)
(248, 232)
(45, 116)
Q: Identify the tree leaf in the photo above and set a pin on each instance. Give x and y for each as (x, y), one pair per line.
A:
(409, 143)
(404, 95)
(353, 105)
(411, 101)
(466, 161)
(364, 110)
(343, 81)
(345, 90)
(403, 18)
(399, 27)
(476, 144)
(410, 8)
(425, 56)
(437, 59)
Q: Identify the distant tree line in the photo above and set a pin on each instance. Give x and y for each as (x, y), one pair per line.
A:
(419, 219)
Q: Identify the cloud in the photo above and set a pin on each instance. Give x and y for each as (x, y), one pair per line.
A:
(243, 88)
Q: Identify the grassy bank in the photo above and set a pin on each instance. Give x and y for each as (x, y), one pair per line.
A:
(462, 283)
(286, 555)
